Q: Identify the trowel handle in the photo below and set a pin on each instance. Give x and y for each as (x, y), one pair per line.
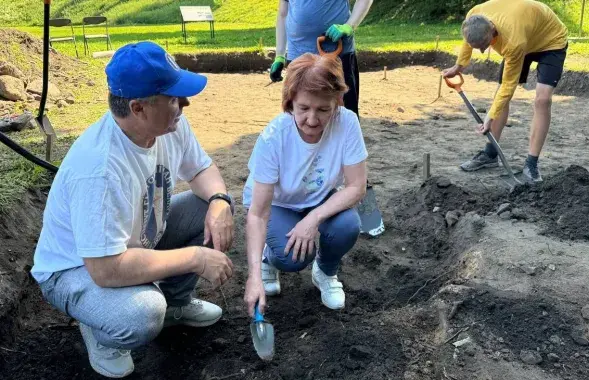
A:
(48, 2)
(258, 317)
(455, 85)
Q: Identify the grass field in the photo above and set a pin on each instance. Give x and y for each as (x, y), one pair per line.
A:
(241, 37)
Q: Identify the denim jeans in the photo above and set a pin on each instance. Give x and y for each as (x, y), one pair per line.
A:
(338, 235)
(132, 316)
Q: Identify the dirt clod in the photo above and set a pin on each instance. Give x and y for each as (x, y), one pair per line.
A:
(530, 357)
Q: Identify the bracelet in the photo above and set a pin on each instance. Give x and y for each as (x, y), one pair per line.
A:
(222, 196)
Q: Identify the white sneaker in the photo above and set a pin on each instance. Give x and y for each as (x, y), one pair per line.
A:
(109, 362)
(197, 313)
(332, 292)
(270, 277)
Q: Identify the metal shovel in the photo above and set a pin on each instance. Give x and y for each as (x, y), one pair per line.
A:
(262, 336)
(458, 88)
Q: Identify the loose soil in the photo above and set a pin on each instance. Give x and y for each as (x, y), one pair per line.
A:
(494, 284)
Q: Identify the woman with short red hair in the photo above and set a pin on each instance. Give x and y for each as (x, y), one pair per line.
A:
(299, 161)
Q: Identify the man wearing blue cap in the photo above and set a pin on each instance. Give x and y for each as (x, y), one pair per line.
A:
(118, 252)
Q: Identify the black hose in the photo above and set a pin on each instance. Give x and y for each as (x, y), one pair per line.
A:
(26, 154)
(45, 63)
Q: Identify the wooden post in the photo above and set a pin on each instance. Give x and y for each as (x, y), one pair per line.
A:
(426, 166)
(581, 24)
(437, 42)
(440, 87)
(385, 73)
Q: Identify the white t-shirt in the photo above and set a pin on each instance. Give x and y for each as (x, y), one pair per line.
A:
(110, 194)
(303, 173)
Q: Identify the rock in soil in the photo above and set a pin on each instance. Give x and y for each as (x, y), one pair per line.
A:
(7, 68)
(504, 207)
(585, 312)
(12, 88)
(530, 357)
(452, 217)
(36, 87)
(579, 335)
(553, 357)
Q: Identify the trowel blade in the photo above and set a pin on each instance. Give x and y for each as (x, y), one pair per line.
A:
(263, 339)
(370, 216)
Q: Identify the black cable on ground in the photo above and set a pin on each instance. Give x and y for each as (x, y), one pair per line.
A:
(26, 154)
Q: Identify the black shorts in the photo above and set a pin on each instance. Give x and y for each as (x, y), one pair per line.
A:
(549, 70)
(352, 78)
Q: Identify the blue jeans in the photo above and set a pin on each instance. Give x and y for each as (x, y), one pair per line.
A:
(338, 235)
(132, 316)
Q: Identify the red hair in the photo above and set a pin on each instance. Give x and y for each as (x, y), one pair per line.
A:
(320, 75)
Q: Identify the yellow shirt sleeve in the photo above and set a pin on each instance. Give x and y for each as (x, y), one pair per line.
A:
(465, 54)
(512, 69)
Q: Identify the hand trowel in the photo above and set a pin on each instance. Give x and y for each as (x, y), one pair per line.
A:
(262, 335)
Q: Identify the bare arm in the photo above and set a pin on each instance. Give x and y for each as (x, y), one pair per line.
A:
(138, 266)
(281, 27)
(359, 12)
(256, 224)
(219, 226)
(208, 182)
(354, 191)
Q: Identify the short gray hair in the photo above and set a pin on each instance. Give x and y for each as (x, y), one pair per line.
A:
(477, 29)
(120, 106)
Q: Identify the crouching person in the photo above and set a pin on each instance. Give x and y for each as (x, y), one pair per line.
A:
(118, 252)
(299, 161)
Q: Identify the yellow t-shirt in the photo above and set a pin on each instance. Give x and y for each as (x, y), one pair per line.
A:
(524, 26)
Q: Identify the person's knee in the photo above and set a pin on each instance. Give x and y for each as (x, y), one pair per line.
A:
(543, 100)
(139, 323)
(347, 225)
(284, 263)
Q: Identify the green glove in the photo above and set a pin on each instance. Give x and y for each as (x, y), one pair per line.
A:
(276, 68)
(335, 32)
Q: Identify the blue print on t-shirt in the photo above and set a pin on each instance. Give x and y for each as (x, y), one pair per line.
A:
(156, 207)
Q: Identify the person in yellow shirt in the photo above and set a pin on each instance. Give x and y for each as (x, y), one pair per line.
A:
(522, 32)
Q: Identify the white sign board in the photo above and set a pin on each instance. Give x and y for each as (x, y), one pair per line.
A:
(194, 13)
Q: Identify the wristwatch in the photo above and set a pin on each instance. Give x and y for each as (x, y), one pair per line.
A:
(222, 196)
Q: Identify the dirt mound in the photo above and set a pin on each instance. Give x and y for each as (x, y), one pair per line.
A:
(560, 203)
(22, 53)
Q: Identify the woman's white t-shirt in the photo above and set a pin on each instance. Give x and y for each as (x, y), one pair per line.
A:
(303, 173)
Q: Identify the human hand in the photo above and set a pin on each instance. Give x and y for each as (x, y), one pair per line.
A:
(335, 32)
(254, 292)
(217, 268)
(484, 128)
(276, 68)
(452, 71)
(302, 238)
(219, 225)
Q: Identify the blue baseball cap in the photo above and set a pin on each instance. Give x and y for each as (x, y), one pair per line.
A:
(144, 69)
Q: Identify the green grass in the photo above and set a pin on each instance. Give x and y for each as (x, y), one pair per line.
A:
(30, 12)
(232, 37)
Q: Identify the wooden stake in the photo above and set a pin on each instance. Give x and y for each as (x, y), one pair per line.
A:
(437, 42)
(166, 44)
(440, 87)
(426, 166)
(385, 73)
